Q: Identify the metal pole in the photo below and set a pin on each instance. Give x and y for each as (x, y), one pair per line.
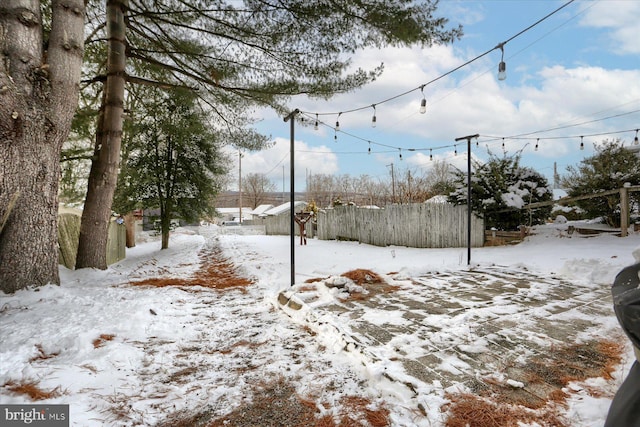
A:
(240, 183)
(468, 138)
(292, 118)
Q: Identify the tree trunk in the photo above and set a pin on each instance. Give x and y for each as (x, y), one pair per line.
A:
(39, 95)
(130, 224)
(92, 246)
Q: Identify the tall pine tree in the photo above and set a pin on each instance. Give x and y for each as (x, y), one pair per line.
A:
(239, 55)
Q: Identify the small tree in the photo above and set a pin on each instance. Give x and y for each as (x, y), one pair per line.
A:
(500, 188)
(440, 178)
(610, 168)
(256, 186)
(173, 161)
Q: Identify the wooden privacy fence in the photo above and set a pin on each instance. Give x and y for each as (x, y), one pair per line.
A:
(69, 232)
(420, 225)
(280, 225)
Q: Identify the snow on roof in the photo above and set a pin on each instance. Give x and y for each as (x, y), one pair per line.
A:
(259, 210)
(440, 198)
(245, 210)
(282, 208)
(559, 193)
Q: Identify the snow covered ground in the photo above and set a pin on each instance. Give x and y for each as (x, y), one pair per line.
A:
(125, 355)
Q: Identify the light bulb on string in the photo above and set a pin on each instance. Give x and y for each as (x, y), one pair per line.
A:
(537, 142)
(373, 119)
(338, 123)
(369, 151)
(400, 151)
(430, 154)
(502, 66)
(635, 140)
(335, 136)
(455, 150)
(502, 144)
(423, 103)
(316, 124)
(581, 143)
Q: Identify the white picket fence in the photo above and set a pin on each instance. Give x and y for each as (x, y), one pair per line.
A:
(419, 225)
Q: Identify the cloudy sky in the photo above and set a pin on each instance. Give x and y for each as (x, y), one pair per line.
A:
(576, 74)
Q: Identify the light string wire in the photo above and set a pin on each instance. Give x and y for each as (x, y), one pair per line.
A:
(491, 138)
(422, 86)
(526, 135)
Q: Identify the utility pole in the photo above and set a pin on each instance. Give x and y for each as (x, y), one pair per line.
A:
(393, 184)
(240, 181)
(468, 138)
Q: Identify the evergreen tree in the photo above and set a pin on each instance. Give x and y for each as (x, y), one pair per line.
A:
(238, 55)
(610, 168)
(173, 160)
(500, 188)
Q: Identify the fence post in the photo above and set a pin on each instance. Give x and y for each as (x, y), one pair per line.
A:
(624, 212)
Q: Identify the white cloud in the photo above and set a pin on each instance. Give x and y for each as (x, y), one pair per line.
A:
(621, 17)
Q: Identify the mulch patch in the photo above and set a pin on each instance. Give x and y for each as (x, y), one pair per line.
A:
(500, 405)
(216, 272)
(32, 389)
(372, 284)
(277, 404)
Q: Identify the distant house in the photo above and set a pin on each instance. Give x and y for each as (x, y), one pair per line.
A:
(439, 198)
(284, 208)
(277, 220)
(634, 149)
(260, 210)
(233, 214)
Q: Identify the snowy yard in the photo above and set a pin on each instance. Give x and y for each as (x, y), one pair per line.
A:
(432, 328)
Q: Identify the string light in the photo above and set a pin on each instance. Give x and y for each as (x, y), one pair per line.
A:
(338, 123)
(310, 118)
(502, 144)
(400, 150)
(423, 103)
(455, 150)
(373, 119)
(502, 67)
(316, 125)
